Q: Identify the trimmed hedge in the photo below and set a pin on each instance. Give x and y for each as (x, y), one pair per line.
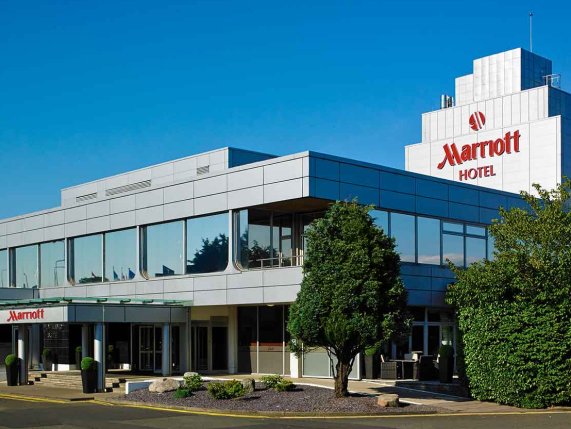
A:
(514, 311)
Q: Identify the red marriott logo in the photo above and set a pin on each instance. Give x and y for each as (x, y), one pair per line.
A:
(477, 121)
(471, 152)
(26, 315)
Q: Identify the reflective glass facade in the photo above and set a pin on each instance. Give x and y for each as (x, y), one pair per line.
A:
(207, 244)
(87, 259)
(266, 239)
(4, 268)
(403, 230)
(121, 255)
(26, 267)
(163, 249)
(428, 236)
(52, 264)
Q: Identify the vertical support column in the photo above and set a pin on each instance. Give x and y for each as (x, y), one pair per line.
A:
(35, 345)
(232, 340)
(84, 340)
(166, 366)
(23, 353)
(99, 355)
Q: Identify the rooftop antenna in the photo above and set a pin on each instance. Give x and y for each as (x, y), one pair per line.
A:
(530, 32)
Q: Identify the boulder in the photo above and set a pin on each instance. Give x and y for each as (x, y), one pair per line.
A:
(388, 400)
(164, 385)
(249, 385)
(189, 374)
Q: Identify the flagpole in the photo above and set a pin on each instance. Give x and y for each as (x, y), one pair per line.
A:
(530, 31)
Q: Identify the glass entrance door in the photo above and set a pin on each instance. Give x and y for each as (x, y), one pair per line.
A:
(150, 348)
(200, 348)
(209, 347)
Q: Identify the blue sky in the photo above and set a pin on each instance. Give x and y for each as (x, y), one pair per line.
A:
(91, 89)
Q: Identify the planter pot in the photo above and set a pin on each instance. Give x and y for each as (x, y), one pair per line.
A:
(12, 375)
(47, 363)
(372, 366)
(446, 369)
(89, 381)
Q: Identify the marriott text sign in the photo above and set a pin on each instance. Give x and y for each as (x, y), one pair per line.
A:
(507, 144)
(15, 316)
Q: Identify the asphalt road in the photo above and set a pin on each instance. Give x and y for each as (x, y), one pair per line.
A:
(34, 414)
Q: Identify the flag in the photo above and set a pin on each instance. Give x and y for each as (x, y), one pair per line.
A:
(115, 275)
(131, 274)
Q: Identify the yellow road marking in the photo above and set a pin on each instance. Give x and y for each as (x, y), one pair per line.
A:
(267, 416)
(31, 399)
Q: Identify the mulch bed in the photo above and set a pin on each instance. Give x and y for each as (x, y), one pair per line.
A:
(304, 399)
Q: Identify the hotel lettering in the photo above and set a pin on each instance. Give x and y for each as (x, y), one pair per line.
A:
(506, 145)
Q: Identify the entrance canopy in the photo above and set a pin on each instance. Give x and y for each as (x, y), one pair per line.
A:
(92, 310)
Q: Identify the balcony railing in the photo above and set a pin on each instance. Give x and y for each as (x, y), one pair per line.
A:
(279, 261)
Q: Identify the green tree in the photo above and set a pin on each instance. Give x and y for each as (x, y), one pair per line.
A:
(351, 296)
(514, 311)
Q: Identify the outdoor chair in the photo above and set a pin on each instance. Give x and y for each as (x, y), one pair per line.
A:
(389, 370)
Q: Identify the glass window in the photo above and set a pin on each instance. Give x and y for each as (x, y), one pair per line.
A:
(163, 249)
(282, 240)
(402, 229)
(120, 255)
(87, 265)
(26, 266)
(476, 230)
(207, 244)
(453, 227)
(259, 238)
(242, 250)
(428, 240)
(4, 268)
(381, 219)
(475, 249)
(52, 263)
(491, 247)
(453, 249)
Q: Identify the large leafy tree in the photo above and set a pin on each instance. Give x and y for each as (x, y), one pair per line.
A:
(515, 311)
(351, 296)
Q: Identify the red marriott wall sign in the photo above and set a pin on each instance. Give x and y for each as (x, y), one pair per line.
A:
(26, 315)
(505, 145)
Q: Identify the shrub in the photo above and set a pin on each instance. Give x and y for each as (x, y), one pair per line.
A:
(182, 392)
(46, 353)
(446, 351)
(88, 364)
(271, 381)
(285, 386)
(11, 360)
(514, 310)
(228, 390)
(193, 382)
(78, 349)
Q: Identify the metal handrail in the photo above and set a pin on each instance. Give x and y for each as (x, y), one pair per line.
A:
(280, 261)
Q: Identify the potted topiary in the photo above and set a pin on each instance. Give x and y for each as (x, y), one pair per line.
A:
(78, 356)
(89, 375)
(446, 363)
(11, 362)
(47, 359)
